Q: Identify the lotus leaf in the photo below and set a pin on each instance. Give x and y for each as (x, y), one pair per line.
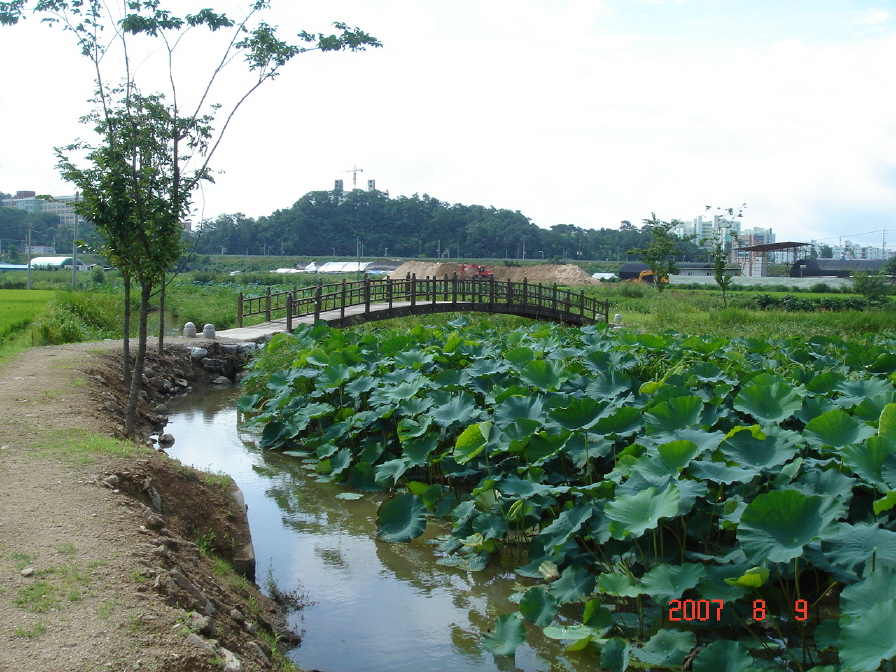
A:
(751, 453)
(573, 584)
(878, 586)
(868, 639)
(667, 648)
(459, 410)
(854, 392)
(388, 473)
(565, 525)
(669, 582)
(769, 403)
(621, 585)
(578, 414)
(542, 374)
(753, 578)
(723, 655)
(506, 636)
(471, 442)
(866, 460)
(609, 385)
(615, 654)
(401, 518)
(538, 606)
(635, 514)
(677, 413)
(776, 525)
(836, 429)
(857, 546)
(719, 472)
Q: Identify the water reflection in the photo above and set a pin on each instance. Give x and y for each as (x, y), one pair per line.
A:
(377, 606)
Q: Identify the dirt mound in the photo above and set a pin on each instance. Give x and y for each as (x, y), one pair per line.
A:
(562, 274)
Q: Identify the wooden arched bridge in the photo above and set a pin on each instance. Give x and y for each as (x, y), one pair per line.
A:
(347, 303)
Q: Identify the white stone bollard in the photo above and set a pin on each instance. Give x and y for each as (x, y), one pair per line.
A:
(190, 330)
(208, 331)
(617, 319)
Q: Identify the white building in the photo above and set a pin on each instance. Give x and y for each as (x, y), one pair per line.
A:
(56, 263)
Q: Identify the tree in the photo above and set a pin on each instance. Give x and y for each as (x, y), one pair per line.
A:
(661, 249)
(719, 250)
(154, 149)
(872, 286)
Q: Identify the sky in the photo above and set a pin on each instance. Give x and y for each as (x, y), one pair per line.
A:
(584, 112)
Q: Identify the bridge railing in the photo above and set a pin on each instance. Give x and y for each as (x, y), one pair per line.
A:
(488, 293)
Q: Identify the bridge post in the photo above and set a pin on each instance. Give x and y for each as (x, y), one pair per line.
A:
(267, 305)
(317, 299)
(289, 308)
(435, 290)
(366, 296)
(554, 300)
(582, 303)
(509, 292)
(389, 293)
(239, 311)
(342, 301)
(413, 280)
(426, 288)
(525, 289)
(491, 293)
(454, 290)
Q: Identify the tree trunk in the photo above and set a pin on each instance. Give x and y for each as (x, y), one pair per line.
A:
(130, 422)
(162, 315)
(126, 336)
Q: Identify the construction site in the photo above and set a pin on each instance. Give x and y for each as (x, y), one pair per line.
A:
(562, 274)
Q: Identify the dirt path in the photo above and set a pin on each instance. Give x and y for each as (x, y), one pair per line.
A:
(91, 576)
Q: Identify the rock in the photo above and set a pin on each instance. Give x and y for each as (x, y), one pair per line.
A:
(162, 385)
(201, 624)
(249, 627)
(231, 662)
(219, 366)
(112, 481)
(161, 409)
(185, 584)
(237, 615)
(180, 382)
(264, 648)
(166, 440)
(257, 648)
(27, 571)
(197, 641)
(198, 353)
(153, 521)
(221, 380)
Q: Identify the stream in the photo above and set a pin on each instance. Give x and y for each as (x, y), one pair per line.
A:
(372, 605)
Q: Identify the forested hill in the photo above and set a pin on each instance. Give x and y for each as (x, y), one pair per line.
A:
(329, 223)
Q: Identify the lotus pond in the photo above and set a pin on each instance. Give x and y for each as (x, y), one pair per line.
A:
(699, 503)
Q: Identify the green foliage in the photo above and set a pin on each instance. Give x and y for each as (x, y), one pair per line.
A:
(635, 469)
(661, 249)
(872, 286)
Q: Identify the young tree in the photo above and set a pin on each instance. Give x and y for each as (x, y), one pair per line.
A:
(154, 149)
(661, 249)
(719, 248)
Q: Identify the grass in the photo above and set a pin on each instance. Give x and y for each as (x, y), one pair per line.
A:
(18, 309)
(83, 447)
(28, 633)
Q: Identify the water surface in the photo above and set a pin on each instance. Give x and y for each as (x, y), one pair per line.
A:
(376, 606)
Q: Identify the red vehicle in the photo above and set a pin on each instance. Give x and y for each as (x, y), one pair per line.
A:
(475, 271)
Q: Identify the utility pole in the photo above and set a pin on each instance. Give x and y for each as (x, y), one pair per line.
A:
(75, 247)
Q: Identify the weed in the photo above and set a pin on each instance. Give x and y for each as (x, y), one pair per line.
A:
(67, 548)
(27, 633)
(38, 597)
(83, 447)
(206, 543)
(291, 600)
(104, 611)
(22, 560)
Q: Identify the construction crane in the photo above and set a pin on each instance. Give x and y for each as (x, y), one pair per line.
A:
(354, 171)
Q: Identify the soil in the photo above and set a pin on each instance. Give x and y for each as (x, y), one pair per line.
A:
(114, 556)
(562, 274)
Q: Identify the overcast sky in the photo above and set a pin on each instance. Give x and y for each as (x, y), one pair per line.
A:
(584, 112)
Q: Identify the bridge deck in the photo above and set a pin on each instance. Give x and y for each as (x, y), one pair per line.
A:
(264, 329)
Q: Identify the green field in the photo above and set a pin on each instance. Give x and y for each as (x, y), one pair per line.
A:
(18, 308)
